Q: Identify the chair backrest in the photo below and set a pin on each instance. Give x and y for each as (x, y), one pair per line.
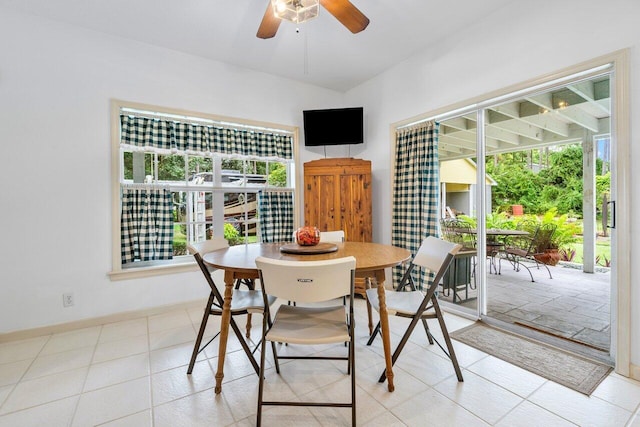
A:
(434, 253)
(307, 281)
(206, 246)
(527, 243)
(543, 237)
(332, 236)
(201, 248)
(456, 231)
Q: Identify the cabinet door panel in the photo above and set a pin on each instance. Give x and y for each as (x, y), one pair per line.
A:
(320, 202)
(355, 207)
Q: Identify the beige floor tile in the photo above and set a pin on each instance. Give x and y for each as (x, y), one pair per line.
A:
(54, 414)
(21, 350)
(117, 371)
(203, 409)
(508, 376)
(112, 403)
(141, 419)
(428, 367)
(4, 393)
(172, 357)
(430, 408)
(110, 350)
(171, 337)
(482, 398)
(620, 391)
(529, 415)
(45, 389)
(386, 419)
(578, 408)
(125, 329)
(72, 340)
(635, 422)
(11, 373)
(174, 384)
(59, 362)
(170, 320)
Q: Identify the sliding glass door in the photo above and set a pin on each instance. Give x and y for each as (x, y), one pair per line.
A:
(525, 187)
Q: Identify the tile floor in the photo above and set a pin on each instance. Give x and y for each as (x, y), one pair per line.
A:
(133, 373)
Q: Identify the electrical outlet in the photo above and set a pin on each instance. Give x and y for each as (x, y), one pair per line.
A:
(67, 300)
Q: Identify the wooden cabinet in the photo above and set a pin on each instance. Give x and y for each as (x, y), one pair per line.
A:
(337, 196)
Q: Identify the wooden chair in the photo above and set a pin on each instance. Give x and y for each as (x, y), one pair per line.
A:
(434, 255)
(310, 283)
(243, 302)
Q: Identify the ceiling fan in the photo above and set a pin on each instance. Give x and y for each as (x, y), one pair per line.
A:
(301, 10)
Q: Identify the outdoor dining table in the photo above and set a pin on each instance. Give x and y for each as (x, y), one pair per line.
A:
(238, 262)
(499, 232)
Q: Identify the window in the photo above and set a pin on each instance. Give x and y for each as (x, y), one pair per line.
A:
(184, 178)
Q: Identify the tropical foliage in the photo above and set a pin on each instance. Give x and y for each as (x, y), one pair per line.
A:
(567, 231)
(542, 180)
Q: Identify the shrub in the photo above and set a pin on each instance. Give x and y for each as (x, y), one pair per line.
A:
(232, 234)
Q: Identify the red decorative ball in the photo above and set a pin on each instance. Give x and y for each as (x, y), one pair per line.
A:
(307, 236)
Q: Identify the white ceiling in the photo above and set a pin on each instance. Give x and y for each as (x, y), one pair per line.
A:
(323, 53)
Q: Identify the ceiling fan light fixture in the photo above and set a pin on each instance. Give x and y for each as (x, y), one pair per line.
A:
(297, 11)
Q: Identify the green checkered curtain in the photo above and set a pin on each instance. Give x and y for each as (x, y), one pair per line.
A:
(275, 210)
(146, 224)
(160, 134)
(416, 191)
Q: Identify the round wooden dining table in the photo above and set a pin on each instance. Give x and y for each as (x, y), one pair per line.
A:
(238, 262)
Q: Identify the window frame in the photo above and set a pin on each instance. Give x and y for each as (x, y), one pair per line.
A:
(182, 263)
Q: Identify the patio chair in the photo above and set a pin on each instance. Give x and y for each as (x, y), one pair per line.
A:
(321, 320)
(435, 256)
(242, 302)
(523, 249)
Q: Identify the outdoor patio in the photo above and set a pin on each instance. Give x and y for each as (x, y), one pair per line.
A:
(571, 310)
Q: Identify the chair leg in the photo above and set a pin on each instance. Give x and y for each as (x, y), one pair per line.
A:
(426, 329)
(261, 373)
(244, 345)
(251, 284)
(203, 325)
(373, 334)
(352, 362)
(447, 339)
(368, 284)
(401, 344)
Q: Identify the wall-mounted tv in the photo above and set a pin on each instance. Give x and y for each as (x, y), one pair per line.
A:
(336, 126)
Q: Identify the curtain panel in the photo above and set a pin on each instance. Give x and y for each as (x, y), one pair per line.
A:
(167, 135)
(146, 225)
(275, 210)
(416, 192)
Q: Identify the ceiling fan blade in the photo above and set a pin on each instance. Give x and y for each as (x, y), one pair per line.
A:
(269, 25)
(345, 12)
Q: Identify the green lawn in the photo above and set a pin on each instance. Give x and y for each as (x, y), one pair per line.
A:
(603, 250)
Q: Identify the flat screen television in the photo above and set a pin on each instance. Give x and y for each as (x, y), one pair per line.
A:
(336, 126)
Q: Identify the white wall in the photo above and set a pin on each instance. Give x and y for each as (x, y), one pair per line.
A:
(521, 42)
(56, 83)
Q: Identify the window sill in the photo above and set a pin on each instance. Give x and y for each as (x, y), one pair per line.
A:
(158, 270)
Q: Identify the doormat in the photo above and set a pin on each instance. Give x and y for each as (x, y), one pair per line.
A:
(570, 370)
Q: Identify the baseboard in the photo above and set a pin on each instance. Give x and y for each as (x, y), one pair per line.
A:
(94, 321)
(634, 372)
